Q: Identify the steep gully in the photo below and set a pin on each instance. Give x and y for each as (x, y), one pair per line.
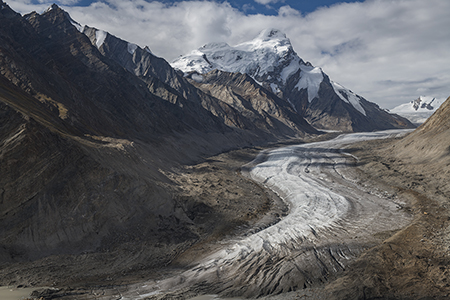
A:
(333, 217)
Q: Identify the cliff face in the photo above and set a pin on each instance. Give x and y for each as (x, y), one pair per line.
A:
(261, 107)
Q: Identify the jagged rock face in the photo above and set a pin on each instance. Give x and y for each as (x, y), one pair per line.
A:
(261, 107)
(136, 60)
(272, 62)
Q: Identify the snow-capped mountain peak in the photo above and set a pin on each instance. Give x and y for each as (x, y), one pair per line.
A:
(418, 110)
(269, 58)
(271, 61)
(258, 57)
(421, 104)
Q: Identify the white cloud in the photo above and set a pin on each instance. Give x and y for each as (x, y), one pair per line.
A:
(389, 51)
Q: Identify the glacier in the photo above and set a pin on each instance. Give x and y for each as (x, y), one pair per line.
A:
(331, 219)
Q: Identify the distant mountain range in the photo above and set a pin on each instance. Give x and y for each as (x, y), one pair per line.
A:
(419, 110)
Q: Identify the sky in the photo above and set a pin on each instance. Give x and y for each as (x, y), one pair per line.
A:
(388, 51)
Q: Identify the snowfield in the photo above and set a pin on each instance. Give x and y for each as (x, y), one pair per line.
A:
(332, 219)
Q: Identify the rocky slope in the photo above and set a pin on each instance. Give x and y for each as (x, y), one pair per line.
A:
(272, 62)
(86, 144)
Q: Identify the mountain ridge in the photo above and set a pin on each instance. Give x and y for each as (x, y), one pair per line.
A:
(271, 61)
(147, 67)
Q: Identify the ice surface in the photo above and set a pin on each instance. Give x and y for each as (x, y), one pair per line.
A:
(348, 96)
(132, 48)
(310, 79)
(100, 37)
(196, 77)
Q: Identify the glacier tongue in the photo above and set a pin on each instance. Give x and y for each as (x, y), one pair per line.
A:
(332, 219)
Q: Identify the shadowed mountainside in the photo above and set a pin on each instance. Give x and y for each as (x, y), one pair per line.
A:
(85, 146)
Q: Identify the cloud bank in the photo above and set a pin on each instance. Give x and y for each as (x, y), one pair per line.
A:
(388, 51)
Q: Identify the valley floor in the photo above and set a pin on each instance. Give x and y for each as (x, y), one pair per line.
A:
(408, 263)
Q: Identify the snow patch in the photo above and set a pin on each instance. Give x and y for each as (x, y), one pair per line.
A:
(77, 25)
(148, 50)
(197, 77)
(132, 48)
(291, 69)
(348, 96)
(100, 37)
(310, 79)
(275, 88)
